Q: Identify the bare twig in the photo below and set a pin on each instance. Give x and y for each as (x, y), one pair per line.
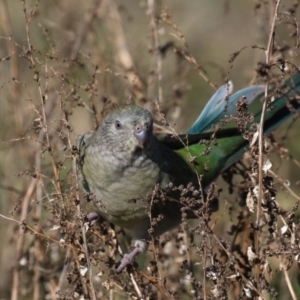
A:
(16, 274)
(283, 182)
(14, 70)
(83, 30)
(123, 54)
(156, 62)
(92, 291)
(166, 18)
(268, 53)
(136, 287)
(289, 284)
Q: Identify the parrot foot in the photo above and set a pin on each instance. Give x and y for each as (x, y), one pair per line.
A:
(128, 258)
(93, 217)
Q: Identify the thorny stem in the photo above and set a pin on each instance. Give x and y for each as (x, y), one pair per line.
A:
(268, 53)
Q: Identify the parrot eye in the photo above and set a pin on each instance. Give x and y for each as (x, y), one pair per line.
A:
(118, 124)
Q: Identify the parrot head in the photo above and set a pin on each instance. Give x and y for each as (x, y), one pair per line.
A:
(126, 130)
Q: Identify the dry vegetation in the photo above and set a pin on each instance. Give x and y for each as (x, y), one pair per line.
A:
(63, 66)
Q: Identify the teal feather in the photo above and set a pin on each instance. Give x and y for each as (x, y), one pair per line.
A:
(222, 104)
(230, 144)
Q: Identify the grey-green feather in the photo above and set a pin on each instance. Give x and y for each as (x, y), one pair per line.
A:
(122, 172)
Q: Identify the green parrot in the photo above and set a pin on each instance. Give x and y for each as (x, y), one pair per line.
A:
(137, 178)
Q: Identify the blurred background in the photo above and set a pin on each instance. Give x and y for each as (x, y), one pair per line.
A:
(64, 64)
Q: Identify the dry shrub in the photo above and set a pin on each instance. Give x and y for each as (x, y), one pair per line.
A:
(64, 65)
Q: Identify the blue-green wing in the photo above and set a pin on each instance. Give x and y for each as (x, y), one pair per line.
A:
(221, 105)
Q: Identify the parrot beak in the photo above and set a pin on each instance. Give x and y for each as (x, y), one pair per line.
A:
(142, 134)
